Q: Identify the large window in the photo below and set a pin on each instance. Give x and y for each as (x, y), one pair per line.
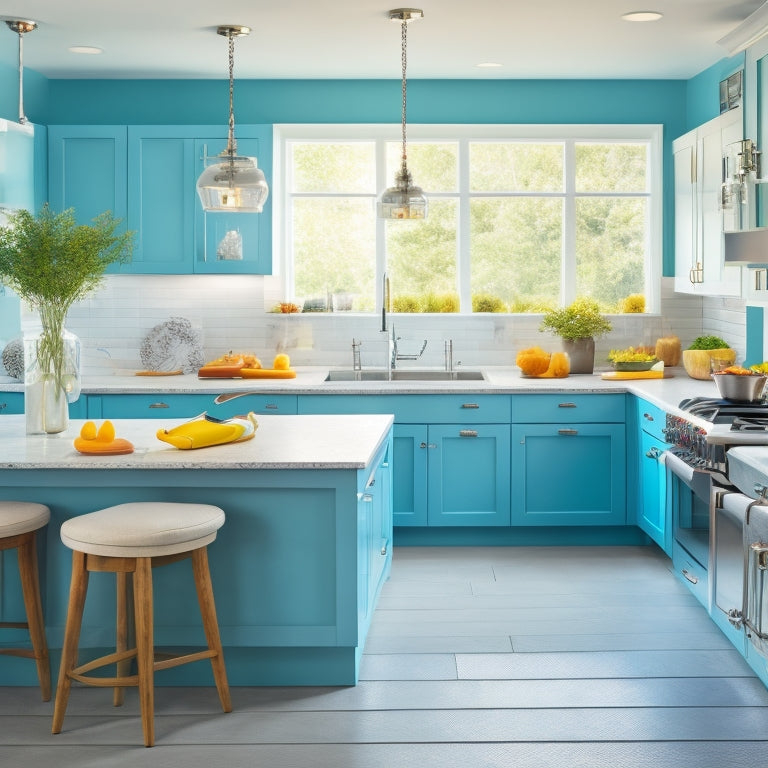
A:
(521, 218)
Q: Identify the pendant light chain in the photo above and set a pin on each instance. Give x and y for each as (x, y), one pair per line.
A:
(231, 142)
(404, 61)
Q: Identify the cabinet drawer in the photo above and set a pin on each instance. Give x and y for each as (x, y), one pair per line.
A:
(416, 409)
(149, 406)
(568, 408)
(651, 418)
(11, 402)
(161, 406)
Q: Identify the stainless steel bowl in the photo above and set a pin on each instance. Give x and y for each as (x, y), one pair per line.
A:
(742, 388)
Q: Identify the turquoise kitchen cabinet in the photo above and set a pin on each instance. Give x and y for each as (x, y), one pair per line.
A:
(569, 460)
(162, 405)
(374, 532)
(410, 462)
(445, 474)
(146, 175)
(651, 513)
(468, 474)
(87, 170)
(11, 402)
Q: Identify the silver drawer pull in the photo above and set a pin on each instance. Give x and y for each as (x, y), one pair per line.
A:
(566, 405)
(688, 575)
(159, 405)
(653, 452)
(648, 417)
(271, 407)
(470, 405)
(467, 433)
(427, 445)
(567, 431)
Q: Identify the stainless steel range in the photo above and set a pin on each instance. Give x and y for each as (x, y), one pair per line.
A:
(720, 532)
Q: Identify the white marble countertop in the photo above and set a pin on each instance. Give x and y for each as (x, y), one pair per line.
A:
(280, 442)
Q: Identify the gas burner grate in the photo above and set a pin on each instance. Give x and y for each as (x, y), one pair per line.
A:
(719, 411)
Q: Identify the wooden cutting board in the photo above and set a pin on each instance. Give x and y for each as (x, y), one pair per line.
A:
(232, 372)
(625, 375)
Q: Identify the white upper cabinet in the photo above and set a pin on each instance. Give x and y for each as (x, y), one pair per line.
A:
(700, 218)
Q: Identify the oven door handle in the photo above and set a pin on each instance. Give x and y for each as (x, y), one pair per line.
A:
(698, 480)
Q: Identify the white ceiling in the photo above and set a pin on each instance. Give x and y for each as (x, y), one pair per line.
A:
(355, 39)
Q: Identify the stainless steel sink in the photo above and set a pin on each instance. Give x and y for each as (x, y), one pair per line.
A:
(404, 374)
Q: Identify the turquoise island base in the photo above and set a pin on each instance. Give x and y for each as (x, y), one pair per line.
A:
(297, 567)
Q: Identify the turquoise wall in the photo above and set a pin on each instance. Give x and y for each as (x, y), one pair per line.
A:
(378, 101)
(703, 90)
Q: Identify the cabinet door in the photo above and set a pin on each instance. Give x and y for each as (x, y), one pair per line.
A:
(214, 231)
(161, 188)
(87, 170)
(686, 220)
(719, 279)
(410, 474)
(652, 491)
(699, 221)
(468, 474)
(11, 402)
(568, 474)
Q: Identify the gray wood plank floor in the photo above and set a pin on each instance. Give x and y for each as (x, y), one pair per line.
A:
(478, 657)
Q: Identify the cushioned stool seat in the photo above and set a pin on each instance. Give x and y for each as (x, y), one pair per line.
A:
(132, 539)
(19, 523)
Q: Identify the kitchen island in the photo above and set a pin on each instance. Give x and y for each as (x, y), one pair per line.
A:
(296, 569)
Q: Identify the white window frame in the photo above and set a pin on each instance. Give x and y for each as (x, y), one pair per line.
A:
(464, 135)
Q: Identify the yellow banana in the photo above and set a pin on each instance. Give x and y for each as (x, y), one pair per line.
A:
(201, 432)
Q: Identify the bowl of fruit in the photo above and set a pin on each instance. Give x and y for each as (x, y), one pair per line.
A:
(742, 385)
(633, 358)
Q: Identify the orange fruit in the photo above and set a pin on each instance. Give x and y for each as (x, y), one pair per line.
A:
(281, 362)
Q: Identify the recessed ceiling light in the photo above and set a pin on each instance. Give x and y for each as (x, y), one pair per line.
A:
(642, 16)
(86, 49)
(488, 64)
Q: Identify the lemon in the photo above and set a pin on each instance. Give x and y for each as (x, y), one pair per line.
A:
(88, 432)
(106, 433)
(281, 362)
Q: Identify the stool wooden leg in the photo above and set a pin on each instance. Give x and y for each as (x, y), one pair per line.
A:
(77, 590)
(30, 585)
(145, 651)
(210, 623)
(121, 634)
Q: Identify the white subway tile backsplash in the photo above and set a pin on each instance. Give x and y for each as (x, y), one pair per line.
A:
(233, 313)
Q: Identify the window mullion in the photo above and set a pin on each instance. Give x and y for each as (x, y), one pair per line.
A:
(568, 273)
(463, 232)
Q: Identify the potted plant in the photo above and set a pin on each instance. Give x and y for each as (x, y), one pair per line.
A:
(51, 262)
(578, 325)
(698, 358)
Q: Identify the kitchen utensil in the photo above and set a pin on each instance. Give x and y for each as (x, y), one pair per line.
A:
(741, 388)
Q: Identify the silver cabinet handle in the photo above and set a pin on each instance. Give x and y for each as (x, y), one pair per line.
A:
(159, 405)
(688, 575)
(384, 547)
(567, 431)
(367, 497)
(467, 433)
(653, 452)
(470, 405)
(566, 405)
(427, 445)
(648, 417)
(271, 407)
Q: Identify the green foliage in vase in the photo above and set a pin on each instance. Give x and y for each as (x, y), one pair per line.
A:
(579, 320)
(51, 262)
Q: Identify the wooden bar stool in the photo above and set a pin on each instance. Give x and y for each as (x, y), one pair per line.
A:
(133, 539)
(19, 523)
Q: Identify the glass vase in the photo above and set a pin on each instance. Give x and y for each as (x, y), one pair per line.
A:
(51, 379)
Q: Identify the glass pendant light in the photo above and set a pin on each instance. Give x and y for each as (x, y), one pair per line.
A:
(232, 183)
(405, 200)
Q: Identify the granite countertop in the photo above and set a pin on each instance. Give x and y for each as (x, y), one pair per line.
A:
(280, 442)
(665, 393)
